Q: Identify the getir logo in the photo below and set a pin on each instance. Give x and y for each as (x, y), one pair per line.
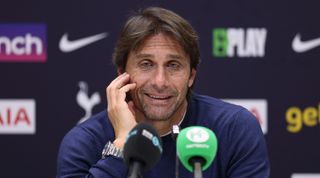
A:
(258, 107)
(17, 116)
(298, 117)
(239, 42)
(23, 43)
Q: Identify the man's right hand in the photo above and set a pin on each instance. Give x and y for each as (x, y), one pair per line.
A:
(121, 113)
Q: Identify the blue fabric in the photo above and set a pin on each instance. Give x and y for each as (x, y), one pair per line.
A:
(241, 152)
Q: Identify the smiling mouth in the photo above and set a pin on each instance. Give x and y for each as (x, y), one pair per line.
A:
(158, 97)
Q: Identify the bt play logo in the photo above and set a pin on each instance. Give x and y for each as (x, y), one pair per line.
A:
(239, 42)
(23, 43)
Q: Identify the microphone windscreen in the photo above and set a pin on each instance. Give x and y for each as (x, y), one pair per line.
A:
(196, 142)
(143, 144)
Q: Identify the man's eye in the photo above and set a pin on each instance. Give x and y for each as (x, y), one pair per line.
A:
(145, 65)
(173, 66)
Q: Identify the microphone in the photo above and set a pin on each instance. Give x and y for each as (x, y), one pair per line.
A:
(142, 149)
(196, 148)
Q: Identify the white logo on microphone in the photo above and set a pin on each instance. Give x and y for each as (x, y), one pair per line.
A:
(197, 135)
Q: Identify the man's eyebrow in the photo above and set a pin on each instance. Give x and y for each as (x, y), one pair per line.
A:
(169, 56)
(175, 56)
(144, 55)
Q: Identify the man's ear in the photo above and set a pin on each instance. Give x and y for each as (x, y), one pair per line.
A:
(192, 77)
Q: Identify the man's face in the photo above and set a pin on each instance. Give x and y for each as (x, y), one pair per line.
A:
(161, 70)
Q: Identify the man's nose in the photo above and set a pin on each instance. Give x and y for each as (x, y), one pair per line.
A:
(160, 78)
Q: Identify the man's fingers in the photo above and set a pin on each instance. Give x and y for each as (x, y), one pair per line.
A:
(116, 91)
(121, 95)
(118, 78)
(132, 107)
(128, 87)
(119, 81)
(112, 90)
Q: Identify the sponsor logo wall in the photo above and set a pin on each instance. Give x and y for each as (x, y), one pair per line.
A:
(17, 116)
(55, 64)
(239, 42)
(23, 42)
(299, 119)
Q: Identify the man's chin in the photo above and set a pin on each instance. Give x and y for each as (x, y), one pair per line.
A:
(155, 112)
(155, 119)
(157, 116)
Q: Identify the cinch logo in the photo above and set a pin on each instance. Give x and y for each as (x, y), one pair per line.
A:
(296, 118)
(239, 42)
(258, 107)
(23, 43)
(17, 116)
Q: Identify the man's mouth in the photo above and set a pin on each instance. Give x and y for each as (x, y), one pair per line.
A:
(159, 97)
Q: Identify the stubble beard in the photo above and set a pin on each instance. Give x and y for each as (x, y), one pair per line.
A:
(163, 113)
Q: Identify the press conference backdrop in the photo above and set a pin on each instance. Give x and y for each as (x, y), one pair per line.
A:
(55, 62)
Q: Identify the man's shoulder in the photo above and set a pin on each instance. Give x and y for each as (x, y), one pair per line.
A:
(215, 104)
(85, 141)
(97, 127)
(216, 112)
(98, 121)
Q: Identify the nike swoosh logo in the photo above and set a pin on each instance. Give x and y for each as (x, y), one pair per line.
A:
(67, 46)
(303, 46)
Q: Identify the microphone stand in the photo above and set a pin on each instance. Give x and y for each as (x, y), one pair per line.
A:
(177, 167)
(135, 170)
(174, 134)
(197, 170)
(197, 163)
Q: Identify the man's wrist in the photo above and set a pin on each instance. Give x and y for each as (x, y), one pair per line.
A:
(111, 150)
(119, 143)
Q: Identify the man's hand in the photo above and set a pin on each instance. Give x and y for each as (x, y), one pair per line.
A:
(121, 113)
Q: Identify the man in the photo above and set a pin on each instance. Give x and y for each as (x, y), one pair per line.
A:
(157, 56)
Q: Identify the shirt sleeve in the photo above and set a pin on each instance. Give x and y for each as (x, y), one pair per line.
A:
(79, 156)
(247, 152)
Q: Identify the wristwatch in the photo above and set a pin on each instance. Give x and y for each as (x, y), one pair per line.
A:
(110, 149)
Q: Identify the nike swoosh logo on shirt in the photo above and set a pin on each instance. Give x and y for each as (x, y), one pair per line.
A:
(303, 46)
(67, 46)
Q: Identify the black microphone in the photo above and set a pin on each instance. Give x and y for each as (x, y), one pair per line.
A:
(142, 149)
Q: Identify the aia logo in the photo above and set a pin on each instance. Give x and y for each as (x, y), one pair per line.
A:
(258, 107)
(17, 116)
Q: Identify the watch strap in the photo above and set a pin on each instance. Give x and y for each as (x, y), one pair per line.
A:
(110, 149)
